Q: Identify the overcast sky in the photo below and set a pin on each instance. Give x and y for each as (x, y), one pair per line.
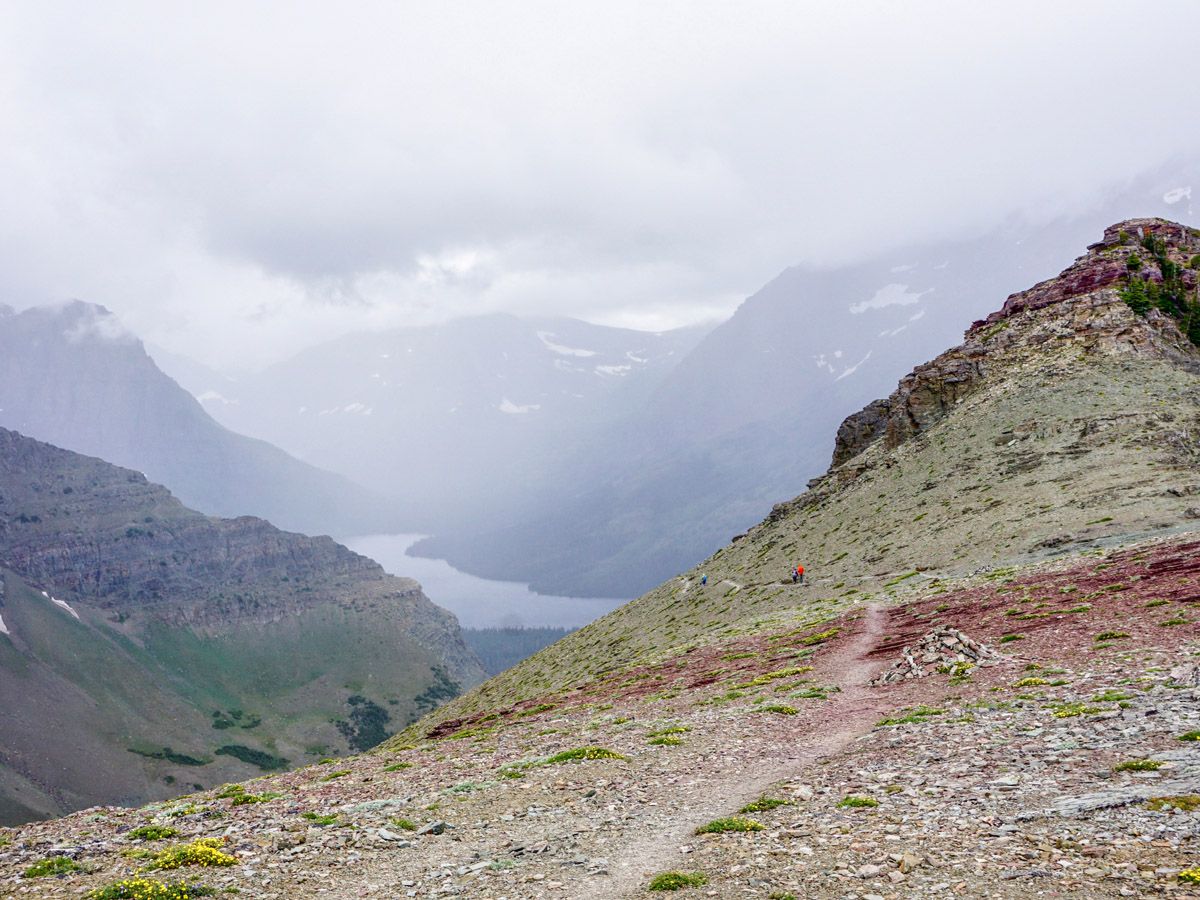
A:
(242, 179)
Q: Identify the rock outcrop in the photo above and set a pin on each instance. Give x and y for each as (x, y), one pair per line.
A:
(1092, 315)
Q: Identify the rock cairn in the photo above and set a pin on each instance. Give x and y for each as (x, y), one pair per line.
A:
(940, 651)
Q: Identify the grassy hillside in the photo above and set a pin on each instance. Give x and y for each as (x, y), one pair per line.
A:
(133, 624)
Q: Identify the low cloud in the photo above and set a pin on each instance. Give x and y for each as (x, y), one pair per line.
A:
(240, 180)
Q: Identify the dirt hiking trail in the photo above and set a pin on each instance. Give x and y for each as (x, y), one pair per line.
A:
(847, 715)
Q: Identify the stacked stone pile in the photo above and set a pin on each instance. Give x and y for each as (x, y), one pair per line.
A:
(943, 650)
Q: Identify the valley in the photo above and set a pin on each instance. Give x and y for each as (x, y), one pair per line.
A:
(479, 602)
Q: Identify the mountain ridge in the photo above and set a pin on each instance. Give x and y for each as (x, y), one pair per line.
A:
(73, 375)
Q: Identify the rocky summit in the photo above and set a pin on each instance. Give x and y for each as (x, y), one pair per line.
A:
(1014, 527)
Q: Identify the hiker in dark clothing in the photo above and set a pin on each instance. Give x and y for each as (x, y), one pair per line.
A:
(703, 580)
(798, 575)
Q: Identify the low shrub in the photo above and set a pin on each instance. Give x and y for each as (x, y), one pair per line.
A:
(51, 865)
(781, 709)
(915, 715)
(320, 819)
(732, 824)
(151, 833)
(1182, 802)
(674, 881)
(1138, 765)
(149, 889)
(854, 801)
(205, 852)
(579, 754)
(762, 804)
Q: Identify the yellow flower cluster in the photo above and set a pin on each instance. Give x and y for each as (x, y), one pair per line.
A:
(1190, 876)
(142, 889)
(202, 852)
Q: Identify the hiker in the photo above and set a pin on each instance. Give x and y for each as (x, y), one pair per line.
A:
(798, 575)
(703, 580)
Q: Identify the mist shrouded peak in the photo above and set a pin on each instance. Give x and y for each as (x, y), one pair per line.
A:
(74, 376)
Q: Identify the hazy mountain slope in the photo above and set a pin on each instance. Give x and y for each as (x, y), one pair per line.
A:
(156, 623)
(73, 376)
(743, 421)
(1051, 428)
(741, 732)
(453, 419)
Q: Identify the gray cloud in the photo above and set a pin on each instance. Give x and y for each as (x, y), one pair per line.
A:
(242, 179)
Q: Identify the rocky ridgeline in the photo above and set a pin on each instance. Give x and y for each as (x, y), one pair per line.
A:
(1105, 265)
(944, 650)
(1088, 311)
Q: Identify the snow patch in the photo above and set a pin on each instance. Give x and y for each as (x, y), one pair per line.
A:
(1174, 195)
(561, 349)
(214, 397)
(854, 368)
(563, 366)
(633, 357)
(613, 370)
(905, 267)
(516, 409)
(889, 295)
(893, 332)
(919, 314)
(62, 604)
(3, 627)
(357, 408)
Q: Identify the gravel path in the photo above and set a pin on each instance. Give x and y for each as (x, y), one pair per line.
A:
(856, 708)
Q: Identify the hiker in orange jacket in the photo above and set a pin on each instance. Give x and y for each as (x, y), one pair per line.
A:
(798, 575)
